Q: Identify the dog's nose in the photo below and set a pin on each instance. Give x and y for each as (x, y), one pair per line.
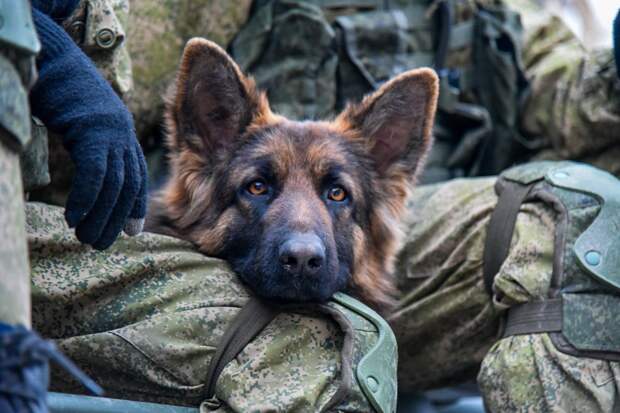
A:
(302, 254)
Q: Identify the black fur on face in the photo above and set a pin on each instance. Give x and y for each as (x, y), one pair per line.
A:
(298, 167)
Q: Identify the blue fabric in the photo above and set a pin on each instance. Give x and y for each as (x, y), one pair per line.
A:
(616, 40)
(24, 370)
(56, 9)
(73, 100)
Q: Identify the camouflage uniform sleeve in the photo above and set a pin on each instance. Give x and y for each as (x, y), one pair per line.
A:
(447, 324)
(18, 45)
(574, 97)
(145, 317)
(14, 272)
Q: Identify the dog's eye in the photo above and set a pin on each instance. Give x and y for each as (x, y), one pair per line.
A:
(257, 187)
(337, 193)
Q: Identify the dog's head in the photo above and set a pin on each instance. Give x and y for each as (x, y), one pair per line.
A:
(299, 209)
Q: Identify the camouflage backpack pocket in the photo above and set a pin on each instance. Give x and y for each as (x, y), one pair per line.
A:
(14, 109)
(499, 84)
(289, 48)
(375, 46)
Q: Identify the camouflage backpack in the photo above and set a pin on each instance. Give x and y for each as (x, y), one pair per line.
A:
(313, 56)
(580, 311)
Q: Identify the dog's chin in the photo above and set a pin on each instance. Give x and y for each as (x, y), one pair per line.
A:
(282, 287)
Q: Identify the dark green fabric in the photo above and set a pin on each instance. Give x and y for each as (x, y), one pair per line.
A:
(289, 48)
(314, 56)
(584, 199)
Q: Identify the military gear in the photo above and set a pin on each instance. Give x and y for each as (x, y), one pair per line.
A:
(490, 115)
(476, 131)
(34, 159)
(97, 27)
(584, 296)
(14, 273)
(446, 323)
(16, 75)
(145, 318)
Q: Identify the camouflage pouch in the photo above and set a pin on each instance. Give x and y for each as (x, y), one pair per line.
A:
(34, 159)
(500, 84)
(378, 45)
(145, 318)
(298, 74)
(583, 300)
(97, 26)
(14, 108)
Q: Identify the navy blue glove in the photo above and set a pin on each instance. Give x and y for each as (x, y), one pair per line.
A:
(58, 10)
(108, 193)
(24, 370)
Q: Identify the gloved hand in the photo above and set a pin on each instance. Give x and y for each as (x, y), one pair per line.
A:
(24, 370)
(72, 99)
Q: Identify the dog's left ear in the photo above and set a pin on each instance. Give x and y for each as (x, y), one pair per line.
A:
(397, 120)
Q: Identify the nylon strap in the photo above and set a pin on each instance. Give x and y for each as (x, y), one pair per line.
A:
(527, 318)
(500, 230)
(534, 317)
(247, 324)
(443, 38)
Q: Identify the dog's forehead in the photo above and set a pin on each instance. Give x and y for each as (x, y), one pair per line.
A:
(314, 147)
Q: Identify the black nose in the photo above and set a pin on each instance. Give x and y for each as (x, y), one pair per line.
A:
(302, 254)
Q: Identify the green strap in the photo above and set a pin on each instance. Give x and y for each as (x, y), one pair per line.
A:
(376, 370)
(247, 324)
(500, 230)
(534, 317)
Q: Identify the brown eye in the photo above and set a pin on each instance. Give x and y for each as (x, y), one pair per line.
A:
(257, 188)
(337, 193)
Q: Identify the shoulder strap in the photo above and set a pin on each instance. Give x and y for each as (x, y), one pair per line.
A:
(501, 228)
(527, 318)
(534, 317)
(250, 321)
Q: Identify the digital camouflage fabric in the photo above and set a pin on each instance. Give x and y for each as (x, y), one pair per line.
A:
(154, 304)
(516, 83)
(157, 32)
(585, 206)
(573, 106)
(447, 325)
(144, 319)
(17, 74)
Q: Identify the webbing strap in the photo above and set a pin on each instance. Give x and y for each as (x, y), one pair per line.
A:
(443, 38)
(534, 317)
(500, 230)
(247, 324)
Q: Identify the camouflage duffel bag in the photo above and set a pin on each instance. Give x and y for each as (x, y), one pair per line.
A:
(514, 281)
(146, 317)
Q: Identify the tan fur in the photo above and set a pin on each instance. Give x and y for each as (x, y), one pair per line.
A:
(185, 201)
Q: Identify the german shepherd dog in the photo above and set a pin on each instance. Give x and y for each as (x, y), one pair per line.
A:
(300, 210)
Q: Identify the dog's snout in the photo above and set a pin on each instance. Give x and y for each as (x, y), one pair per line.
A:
(302, 254)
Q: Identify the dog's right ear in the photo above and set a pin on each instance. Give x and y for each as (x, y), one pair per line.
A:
(212, 102)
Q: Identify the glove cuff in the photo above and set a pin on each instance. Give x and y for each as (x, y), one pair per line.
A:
(59, 10)
(24, 366)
